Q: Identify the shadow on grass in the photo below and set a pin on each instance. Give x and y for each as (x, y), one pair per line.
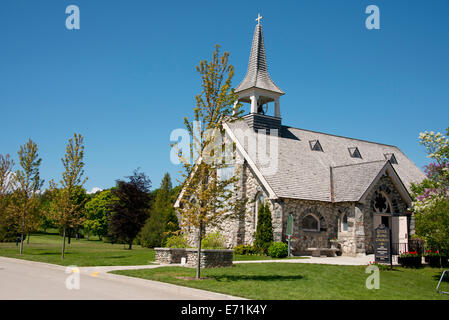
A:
(256, 278)
(49, 253)
(437, 276)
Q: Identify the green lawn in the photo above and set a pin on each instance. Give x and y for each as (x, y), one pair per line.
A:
(47, 248)
(295, 281)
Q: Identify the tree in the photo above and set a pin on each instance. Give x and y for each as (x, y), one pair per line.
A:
(97, 213)
(79, 197)
(208, 198)
(65, 209)
(163, 221)
(45, 199)
(431, 196)
(24, 201)
(264, 229)
(130, 208)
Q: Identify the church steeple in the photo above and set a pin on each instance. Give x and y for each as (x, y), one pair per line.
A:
(257, 75)
(257, 88)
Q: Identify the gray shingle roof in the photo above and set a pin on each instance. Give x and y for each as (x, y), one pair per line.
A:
(351, 181)
(305, 174)
(257, 74)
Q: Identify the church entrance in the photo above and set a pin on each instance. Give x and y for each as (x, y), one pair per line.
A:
(399, 230)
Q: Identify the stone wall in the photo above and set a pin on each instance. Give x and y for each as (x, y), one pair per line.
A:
(210, 258)
(241, 230)
(356, 240)
(169, 255)
(399, 208)
(328, 214)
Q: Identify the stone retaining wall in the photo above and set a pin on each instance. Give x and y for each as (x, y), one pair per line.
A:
(209, 258)
(169, 255)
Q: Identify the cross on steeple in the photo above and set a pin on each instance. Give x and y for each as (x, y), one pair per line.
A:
(257, 88)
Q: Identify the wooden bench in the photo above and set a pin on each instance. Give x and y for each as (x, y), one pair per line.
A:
(317, 252)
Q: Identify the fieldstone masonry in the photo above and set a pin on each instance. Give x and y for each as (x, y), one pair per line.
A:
(169, 255)
(357, 239)
(209, 258)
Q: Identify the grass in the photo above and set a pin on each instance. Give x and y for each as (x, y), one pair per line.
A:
(296, 281)
(82, 253)
(46, 247)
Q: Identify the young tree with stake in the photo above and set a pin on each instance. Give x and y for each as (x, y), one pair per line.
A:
(64, 209)
(25, 203)
(207, 197)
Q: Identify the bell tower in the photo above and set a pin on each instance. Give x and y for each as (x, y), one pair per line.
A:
(258, 89)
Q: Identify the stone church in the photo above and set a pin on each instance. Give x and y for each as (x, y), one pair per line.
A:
(333, 187)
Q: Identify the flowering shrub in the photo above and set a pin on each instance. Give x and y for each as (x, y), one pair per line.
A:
(430, 253)
(409, 254)
(431, 196)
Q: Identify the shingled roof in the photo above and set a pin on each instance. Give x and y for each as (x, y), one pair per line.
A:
(303, 173)
(257, 74)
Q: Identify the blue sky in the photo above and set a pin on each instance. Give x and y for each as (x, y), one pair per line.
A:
(127, 78)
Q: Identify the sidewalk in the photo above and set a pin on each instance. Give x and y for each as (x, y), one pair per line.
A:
(340, 260)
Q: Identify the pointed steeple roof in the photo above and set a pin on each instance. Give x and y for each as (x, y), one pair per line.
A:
(257, 74)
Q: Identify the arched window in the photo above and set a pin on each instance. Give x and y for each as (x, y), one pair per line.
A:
(310, 223)
(344, 223)
(260, 199)
(382, 203)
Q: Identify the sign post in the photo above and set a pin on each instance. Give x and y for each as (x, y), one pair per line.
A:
(382, 245)
(289, 232)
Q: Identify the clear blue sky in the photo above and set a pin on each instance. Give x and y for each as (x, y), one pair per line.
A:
(126, 79)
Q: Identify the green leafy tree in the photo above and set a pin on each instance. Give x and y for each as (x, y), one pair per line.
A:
(163, 221)
(207, 197)
(130, 208)
(97, 213)
(24, 206)
(45, 199)
(79, 197)
(264, 229)
(66, 210)
(431, 196)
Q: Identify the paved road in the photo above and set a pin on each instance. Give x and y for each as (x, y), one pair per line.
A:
(21, 279)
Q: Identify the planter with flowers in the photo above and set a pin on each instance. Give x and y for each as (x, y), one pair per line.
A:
(411, 259)
(435, 259)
